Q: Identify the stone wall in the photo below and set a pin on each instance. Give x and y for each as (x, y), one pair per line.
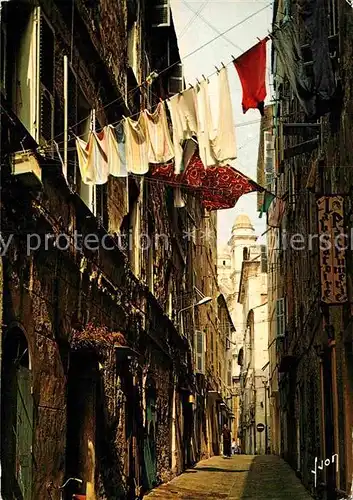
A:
(320, 368)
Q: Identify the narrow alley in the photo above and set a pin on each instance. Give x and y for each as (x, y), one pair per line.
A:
(176, 249)
(242, 477)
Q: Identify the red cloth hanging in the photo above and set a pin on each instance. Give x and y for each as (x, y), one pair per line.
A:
(251, 67)
(219, 187)
(223, 186)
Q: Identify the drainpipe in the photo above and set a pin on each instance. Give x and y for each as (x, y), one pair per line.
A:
(266, 430)
(1, 315)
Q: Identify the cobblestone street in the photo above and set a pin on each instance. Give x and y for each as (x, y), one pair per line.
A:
(243, 477)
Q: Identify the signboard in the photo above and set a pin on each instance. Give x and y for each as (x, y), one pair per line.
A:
(332, 245)
(260, 427)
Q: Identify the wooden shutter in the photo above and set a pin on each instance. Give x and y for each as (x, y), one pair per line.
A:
(199, 351)
(161, 13)
(269, 158)
(46, 77)
(280, 315)
(263, 259)
(24, 432)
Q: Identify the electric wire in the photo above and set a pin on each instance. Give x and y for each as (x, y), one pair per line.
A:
(185, 29)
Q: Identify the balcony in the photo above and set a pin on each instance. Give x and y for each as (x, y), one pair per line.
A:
(26, 167)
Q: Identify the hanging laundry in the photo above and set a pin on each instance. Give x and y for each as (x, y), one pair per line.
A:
(116, 150)
(268, 199)
(86, 170)
(182, 108)
(223, 186)
(223, 144)
(136, 145)
(315, 15)
(92, 159)
(195, 173)
(286, 43)
(204, 124)
(100, 156)
(164, 172)
(160, 146)
(216, 145)
(276, 212)
(218, 187)
(251, 68)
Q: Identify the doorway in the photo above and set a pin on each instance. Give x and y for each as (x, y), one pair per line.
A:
(17, 418)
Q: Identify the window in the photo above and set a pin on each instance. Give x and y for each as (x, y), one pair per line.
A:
(200, 351)
(79, 116)
(245, 253)
(46, 77)
(280, 316)
(263, 259)
(161, 13)
(332, 17)
(269, 152)
(176, 79)
(130, 228)
(33, 75)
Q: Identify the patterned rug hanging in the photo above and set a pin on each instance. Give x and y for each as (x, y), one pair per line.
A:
(219, 187)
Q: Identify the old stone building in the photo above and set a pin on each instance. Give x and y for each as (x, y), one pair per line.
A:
(232, 276)
(310, 281)
(253, 354)
(98, 366)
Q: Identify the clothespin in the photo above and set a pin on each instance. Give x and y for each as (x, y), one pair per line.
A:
(233, 57)
(223, 64)
(204, 77)
(217, 69)
(258, 39)
(198, 81)
(191, 86)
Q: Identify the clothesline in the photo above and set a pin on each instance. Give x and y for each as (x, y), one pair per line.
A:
(181, 184)
(233, 60)
(119, 100)
(134, 115)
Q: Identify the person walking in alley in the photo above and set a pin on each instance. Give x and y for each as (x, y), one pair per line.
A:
(226, 441)
(234, 447)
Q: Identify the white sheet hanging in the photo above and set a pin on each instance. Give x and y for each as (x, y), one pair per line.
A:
(182, 108)
(160, 146)
(93, 159)
(223, 144)
(216, 145)
(136, 145)
(116, 150)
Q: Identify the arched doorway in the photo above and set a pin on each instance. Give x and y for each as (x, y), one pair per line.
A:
(17, 417)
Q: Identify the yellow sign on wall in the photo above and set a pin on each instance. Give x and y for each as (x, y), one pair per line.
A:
(332, 243)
